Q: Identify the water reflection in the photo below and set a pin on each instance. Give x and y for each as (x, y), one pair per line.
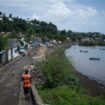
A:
(94, 69)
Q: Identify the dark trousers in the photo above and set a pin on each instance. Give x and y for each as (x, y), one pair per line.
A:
(26, 90)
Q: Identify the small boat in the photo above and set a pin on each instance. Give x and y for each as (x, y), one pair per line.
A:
(94, 58)
(102, 48)
(83, 51)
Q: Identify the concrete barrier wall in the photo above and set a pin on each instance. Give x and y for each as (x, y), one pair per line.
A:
(36, 96)
(15, 53)
(3, 57)
(9, 55)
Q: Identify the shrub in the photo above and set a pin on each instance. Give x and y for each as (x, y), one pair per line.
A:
(61, 86)
(57, 70)
(64, 95)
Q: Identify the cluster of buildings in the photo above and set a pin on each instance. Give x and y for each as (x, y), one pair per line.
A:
(14, 47)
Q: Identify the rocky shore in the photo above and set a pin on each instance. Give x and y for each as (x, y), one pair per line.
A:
(92, 87)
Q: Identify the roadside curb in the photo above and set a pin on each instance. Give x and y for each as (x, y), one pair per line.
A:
(36, 96)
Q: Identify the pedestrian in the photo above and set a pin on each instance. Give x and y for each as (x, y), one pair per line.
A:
(13, 71)
(29, 53)
(26, 78)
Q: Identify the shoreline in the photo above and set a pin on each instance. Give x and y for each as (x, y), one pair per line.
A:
(92, 87)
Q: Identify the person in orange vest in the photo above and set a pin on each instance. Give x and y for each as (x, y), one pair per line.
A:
(26, 78)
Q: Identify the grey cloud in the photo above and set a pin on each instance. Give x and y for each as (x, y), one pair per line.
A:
(64, 13)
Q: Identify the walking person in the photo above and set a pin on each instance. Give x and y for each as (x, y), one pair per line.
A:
(13, 71)
(26, 78)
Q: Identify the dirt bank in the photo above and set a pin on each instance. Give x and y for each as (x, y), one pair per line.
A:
(40, 54)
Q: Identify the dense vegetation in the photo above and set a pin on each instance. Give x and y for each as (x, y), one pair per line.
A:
(32, 28)
(15, 27)
(92, 43)
(56, 71)
(3, 43)
(61, 86)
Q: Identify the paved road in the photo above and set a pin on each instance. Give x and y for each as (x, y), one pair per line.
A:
(9, 83)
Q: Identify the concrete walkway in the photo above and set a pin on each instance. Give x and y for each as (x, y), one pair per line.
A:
(9, 83)
(22, 100)
(11, 90)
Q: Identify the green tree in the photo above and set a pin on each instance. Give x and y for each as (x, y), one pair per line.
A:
(13, 34)
(3, 43)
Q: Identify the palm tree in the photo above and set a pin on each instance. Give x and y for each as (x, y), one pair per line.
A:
(3, 14)
(0, 14)
(10, 17)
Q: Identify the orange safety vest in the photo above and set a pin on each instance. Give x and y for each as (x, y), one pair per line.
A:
(26, 80)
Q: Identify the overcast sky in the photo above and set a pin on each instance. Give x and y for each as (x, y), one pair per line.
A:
(76, 15)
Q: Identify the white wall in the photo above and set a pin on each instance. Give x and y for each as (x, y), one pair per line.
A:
(9, 55)
(15, 53)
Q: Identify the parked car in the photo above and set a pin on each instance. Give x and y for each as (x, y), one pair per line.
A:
(48, 44)
(22, 51)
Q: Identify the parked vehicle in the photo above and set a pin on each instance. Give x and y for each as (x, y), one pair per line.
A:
(94, 58)
(22, 51)
(83, 51)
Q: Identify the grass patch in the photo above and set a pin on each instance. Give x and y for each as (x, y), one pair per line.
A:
(64, 95)
(61, 87)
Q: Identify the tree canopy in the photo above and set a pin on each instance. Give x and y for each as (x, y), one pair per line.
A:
(31, 28)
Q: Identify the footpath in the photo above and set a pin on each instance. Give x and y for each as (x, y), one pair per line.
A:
(22, 100)
(9, 82)
(11, 90)
(37, 54)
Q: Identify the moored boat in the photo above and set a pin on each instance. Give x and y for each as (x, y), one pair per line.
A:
(94, 58)
(83, 51)
(102, 48)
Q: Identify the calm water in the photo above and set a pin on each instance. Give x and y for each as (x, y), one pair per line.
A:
(94, 69)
